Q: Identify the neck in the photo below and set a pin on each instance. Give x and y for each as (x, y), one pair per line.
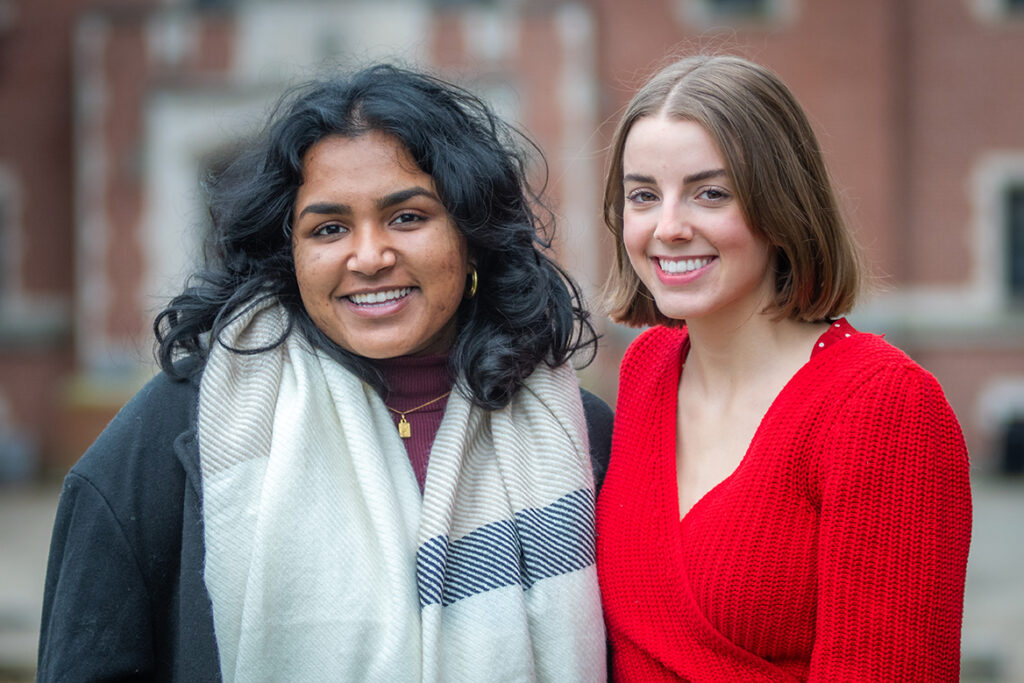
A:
(417, 384)
(412, 380)
(727, 356)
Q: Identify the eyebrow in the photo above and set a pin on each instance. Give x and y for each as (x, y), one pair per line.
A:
(387, 201)
(693, 178)
(394, 198)
(326, 208)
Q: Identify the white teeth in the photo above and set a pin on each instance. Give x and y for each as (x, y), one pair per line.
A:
(371, 298)
(683, 265)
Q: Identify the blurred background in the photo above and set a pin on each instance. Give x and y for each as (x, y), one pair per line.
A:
(112, 110)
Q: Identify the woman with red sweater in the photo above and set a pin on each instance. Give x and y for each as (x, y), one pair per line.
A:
(788, 498)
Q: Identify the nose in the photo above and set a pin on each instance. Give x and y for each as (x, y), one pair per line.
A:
(674, 222)
(372, 251)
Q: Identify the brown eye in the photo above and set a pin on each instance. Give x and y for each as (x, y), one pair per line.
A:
(328, 229)
(713, 194)
(642, 196)
(408, 217)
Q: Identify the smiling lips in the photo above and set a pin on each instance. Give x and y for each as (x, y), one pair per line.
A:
(684, 265)
(379, 298)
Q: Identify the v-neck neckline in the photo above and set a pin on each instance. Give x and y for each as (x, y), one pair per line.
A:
(837, 331)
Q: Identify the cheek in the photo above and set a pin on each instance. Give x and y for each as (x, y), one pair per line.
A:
(757, 246)
(307, 274)
(452, 266)
(634, 239)
(301, 270)
(453, 275)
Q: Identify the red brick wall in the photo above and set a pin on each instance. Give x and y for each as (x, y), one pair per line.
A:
(905, 97)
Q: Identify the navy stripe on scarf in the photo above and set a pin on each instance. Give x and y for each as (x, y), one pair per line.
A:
(536, 544)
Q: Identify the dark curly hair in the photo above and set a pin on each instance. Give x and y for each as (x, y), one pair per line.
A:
(526, 310)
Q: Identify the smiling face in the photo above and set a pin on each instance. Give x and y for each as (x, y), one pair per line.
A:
(380, 264)
(684, 230)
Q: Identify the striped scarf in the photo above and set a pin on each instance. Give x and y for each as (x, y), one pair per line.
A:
(323, 561)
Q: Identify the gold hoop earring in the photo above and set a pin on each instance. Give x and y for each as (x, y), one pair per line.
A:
(472, 284)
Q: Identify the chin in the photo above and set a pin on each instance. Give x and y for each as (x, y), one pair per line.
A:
(393, 350)
(381, 344)
(377, 353)
(676, 312)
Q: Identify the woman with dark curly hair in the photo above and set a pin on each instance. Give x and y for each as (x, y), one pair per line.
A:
(367, 456)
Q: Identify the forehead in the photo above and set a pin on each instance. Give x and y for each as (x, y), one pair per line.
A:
(661, 141)
(365, 163)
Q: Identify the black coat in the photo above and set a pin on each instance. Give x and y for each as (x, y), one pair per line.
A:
(124, 597)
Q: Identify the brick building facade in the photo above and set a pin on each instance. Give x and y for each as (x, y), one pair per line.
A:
(109, 114)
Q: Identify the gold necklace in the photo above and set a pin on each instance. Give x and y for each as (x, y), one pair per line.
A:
(404, 429)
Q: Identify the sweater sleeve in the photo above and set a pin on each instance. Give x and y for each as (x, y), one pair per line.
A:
(894, 491)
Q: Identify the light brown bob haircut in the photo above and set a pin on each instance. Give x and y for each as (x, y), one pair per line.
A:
(779, 177)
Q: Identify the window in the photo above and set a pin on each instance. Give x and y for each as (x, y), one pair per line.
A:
(10, 253)
(711, 13)
(8, 16)
(754, 9)
(5, 247)
(9, 247)
(994, 12)
(1012, 457)
(215, 165)
(463, 4)
(1015, 242)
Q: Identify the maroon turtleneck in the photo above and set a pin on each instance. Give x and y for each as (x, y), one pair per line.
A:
(413, 381)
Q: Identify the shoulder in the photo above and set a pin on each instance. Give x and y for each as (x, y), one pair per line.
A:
(649, 372)
(658, 338)
(153, 398)
(867, 361)
(139, 447)
(654, 347)
(876, 392)
(599, 414)
(139, 479)
(600, 419)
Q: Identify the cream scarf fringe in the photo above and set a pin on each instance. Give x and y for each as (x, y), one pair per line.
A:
(323, 562)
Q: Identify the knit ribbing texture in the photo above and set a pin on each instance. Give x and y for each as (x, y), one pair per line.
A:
(836, 551)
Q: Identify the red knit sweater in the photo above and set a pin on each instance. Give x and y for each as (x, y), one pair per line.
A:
(835, 552)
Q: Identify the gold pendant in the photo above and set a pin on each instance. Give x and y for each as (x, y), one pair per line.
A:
(404, 430)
